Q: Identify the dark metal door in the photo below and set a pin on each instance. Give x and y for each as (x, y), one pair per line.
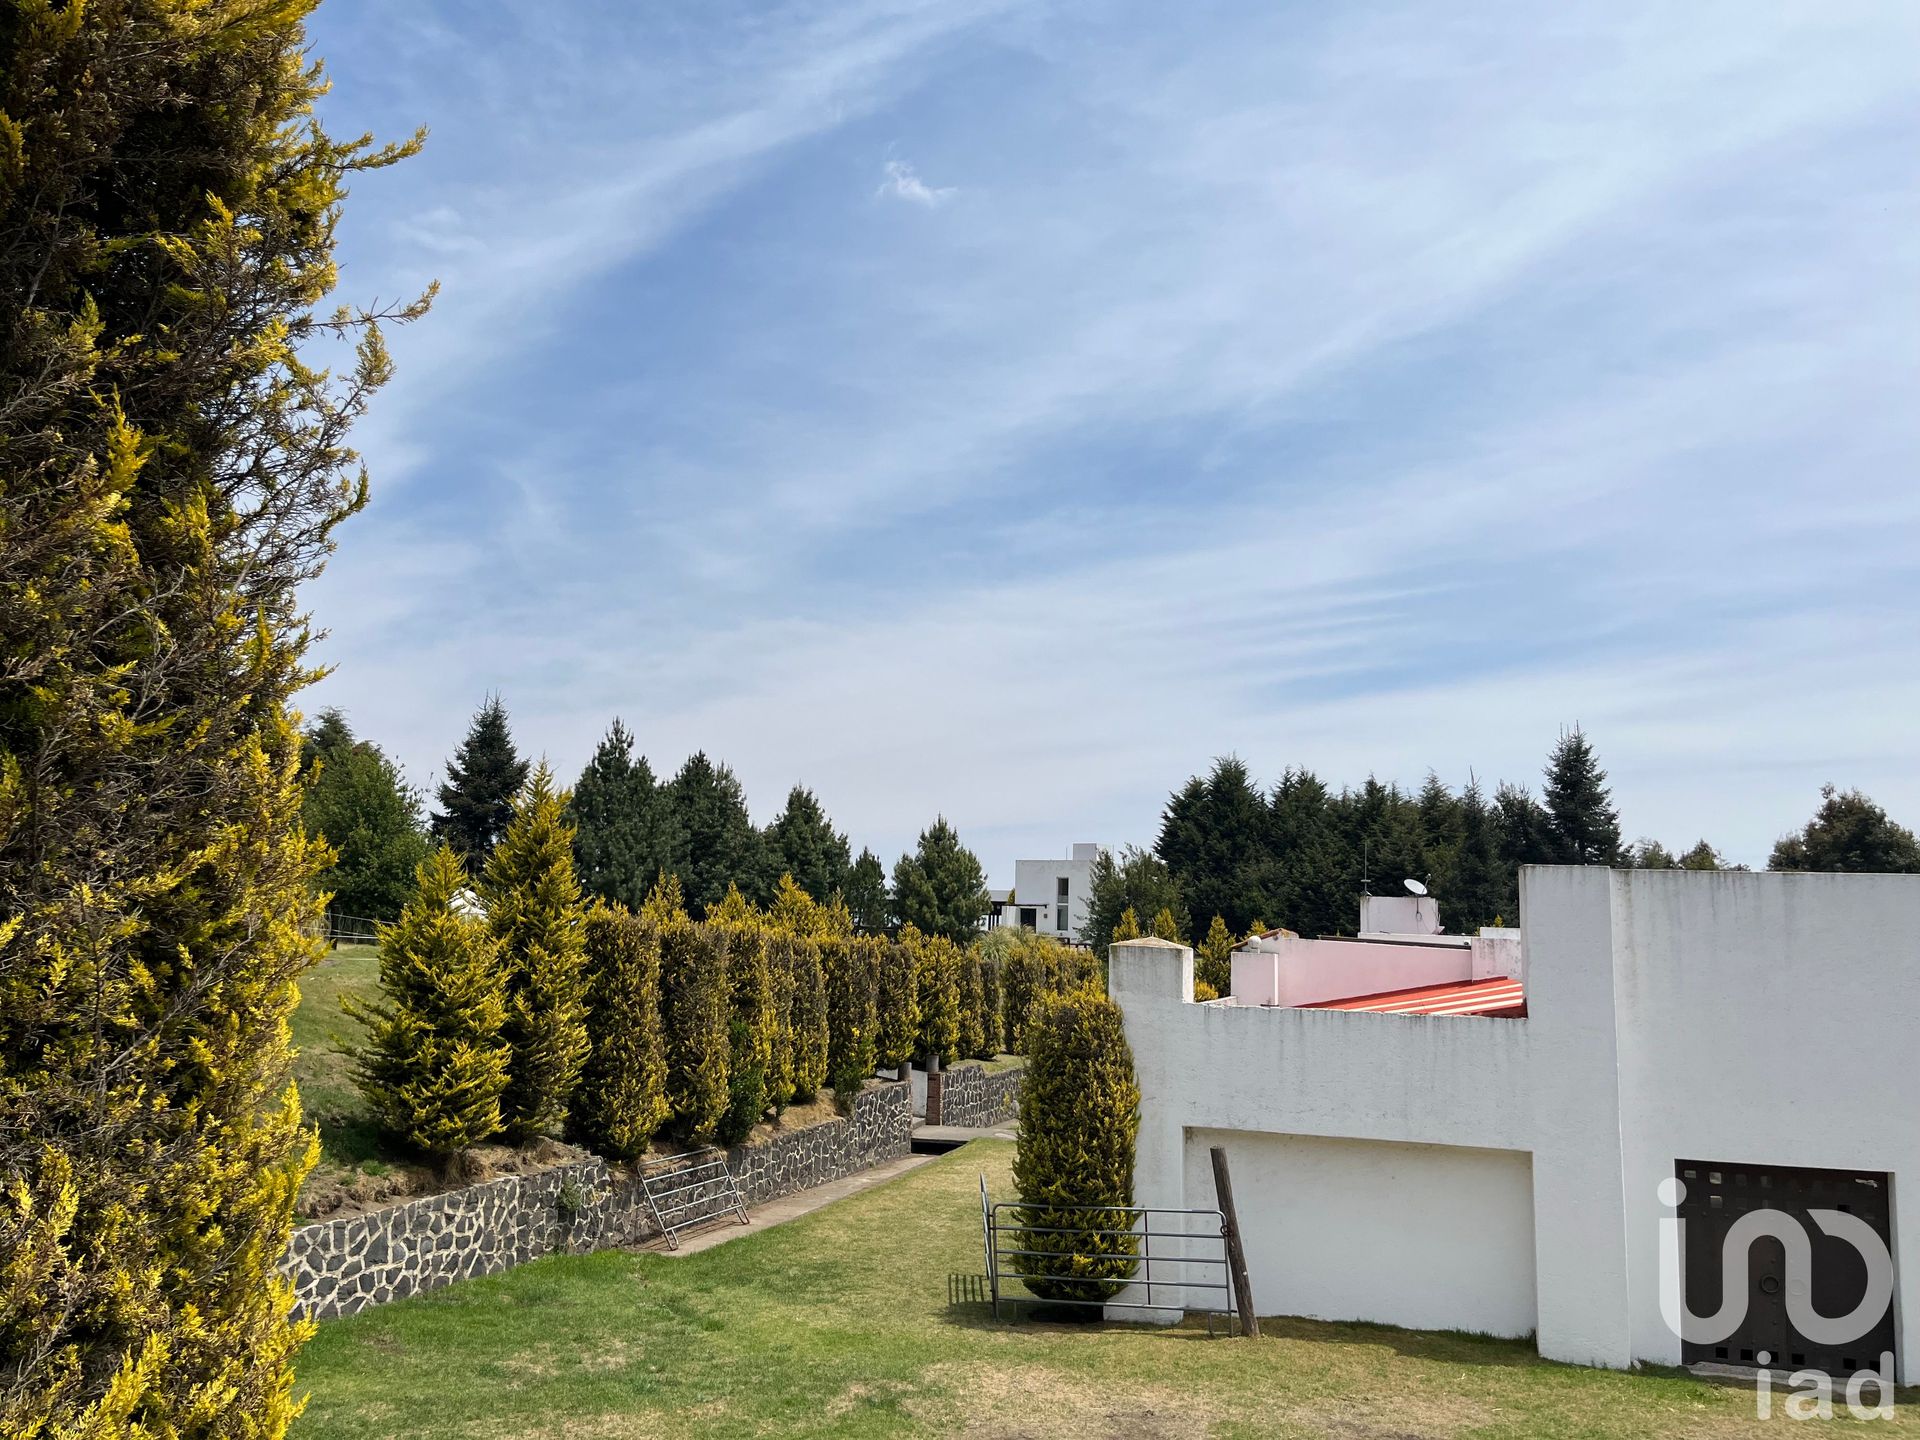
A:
(1717, 1195)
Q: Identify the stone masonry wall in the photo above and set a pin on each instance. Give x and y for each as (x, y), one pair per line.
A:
(341, 1266)
(976, 1097)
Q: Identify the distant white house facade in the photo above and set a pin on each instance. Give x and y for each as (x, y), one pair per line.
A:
(1048, 896)
(1671, 1093)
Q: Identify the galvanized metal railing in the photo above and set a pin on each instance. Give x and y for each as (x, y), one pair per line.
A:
(680, 1196)
(1118, 1236)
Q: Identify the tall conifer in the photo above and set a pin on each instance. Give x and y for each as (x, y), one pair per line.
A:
(483, 778)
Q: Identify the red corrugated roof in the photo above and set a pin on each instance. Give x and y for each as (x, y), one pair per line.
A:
(1501, 996)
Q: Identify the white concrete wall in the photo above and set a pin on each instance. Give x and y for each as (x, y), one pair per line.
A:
(1036, 883)
(1399, 915)
(1431, 1236)
(1754, 1019)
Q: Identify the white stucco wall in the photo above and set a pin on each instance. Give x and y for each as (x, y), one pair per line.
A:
(1754, 1019)
(1036, 883)
(1432, 1236)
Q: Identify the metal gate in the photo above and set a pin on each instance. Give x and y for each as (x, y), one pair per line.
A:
(1192, 1256)
(682, 1196)
(1716, 1195)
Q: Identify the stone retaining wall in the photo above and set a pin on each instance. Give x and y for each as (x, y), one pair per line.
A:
(976, 1097)
(342, 1266)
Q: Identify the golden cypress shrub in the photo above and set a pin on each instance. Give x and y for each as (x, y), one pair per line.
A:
(753, 1025)
(807, 1027)
(850, 967)
(897, 996)
(973, 1003)
(937, 975)
(434, 1064)
(992, 1003)
(621, 1099)
(1079, 1116)
(533, 902)
(172, 473)
(694, 1011)
(665, 905)
(1213, 960)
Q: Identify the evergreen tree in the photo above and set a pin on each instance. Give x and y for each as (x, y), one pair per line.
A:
(664, 905)
(1213, 961)
(1136, 881)
(484, 776)
(1651, 855)
(1079, 1118)
(1026, 965)
(1212, 840)
(803, 844)
(623, 837)
(173, 471)
(866, 895)
(695, 1010)
(937, 975)
(1477, 882)
(434, 1064)
(850, 970)
(533, 902)
(1165, 927)
(358, 803)
(1851, 833)
(940, 889)
(1127, 929)
(897, 1001)
(1583, 827)
(1525, 836)
(715, 844)
(753, 1026)
(621, 1099)
(1309, 880)
(1704, 857)
(807, 1026)
(794, 911)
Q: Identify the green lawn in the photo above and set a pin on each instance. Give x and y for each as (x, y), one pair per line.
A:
(351, 1156)
(837, 1324)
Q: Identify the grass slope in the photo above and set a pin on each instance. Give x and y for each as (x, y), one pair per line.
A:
(837, 1325)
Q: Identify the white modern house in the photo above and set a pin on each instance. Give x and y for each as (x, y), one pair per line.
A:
(1049, 896)
(1676, 1118)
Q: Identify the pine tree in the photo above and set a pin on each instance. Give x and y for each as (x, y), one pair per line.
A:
(715, 844)
(621, 1099)
(1849, 833)
(850, 967)
(622, 833)
(1213, 841)
(1583, 827)
(803, 843)
(940, 889)
(1079, 1117)
(1213, 961)
(359, 805)
(1478, 883)
(484, 776)
(434, 1064)
(533, 902)
(866, 895)
(1525, 836)
(173, 471)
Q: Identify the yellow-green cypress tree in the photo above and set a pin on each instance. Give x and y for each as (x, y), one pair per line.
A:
(170, 472)
(434, 1064)
(850, 967)
(1079, 1117)
(1165, 927)
(937, 974)
(533, 902)
(897, 996)
(694, 1014)
(1213, 961)
(621, 1099)
(806, 1028)
(665, 905)
(1128, 928)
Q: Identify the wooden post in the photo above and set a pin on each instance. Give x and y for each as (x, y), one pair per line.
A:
(1236, 1253)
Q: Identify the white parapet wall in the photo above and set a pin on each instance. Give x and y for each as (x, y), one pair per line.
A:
(1502, 1175)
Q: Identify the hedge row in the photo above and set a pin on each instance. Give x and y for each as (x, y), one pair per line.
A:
(701, 1029)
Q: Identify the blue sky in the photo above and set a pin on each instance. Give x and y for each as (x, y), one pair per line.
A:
(1001, 409)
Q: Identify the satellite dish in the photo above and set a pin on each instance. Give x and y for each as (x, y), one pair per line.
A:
(1414, 887)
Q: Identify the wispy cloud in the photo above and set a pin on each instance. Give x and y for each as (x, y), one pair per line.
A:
(1374, 390)
(903, 184)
